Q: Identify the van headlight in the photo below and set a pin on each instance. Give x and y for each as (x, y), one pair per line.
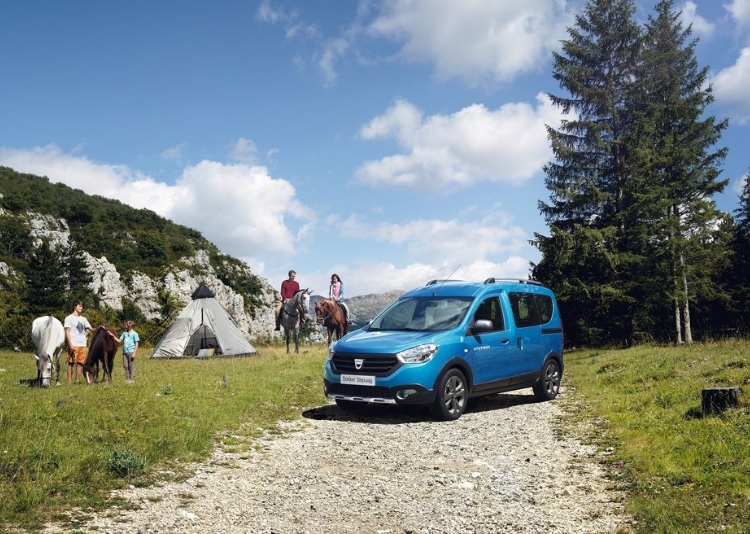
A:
(331, 350)
(420, 354)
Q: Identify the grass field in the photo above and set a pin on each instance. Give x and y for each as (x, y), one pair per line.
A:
(68, 446)
(683, 472)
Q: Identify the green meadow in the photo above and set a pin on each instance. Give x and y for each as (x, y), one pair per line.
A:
(68, 446)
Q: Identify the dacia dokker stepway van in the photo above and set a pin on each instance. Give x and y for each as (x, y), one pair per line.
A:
(443, 343)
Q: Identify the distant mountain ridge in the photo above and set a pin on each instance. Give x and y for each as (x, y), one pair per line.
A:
(364, 307)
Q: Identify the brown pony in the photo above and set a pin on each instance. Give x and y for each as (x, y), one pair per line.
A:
(102, 349)
(330, 315)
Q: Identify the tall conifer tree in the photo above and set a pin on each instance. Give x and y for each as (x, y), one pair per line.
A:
(588, 176)
(674, 172)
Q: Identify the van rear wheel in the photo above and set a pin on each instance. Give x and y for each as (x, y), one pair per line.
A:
(548, 385)
(452, 396)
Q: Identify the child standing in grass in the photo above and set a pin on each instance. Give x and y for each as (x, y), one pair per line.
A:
(130, 340)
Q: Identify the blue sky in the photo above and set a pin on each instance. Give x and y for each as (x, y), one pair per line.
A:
(390, 142)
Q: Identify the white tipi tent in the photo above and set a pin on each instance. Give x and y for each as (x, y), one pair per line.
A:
(203, 329)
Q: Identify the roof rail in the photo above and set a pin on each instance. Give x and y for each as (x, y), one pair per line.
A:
(441, 281)
(493, 280)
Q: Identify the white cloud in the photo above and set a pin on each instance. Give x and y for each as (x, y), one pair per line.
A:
(701, 27)
(244, 151)
(740, 11)
(475, 39)
(474, 144)
(730, 86)
(436, 239)
(174, 153)
(382, 277)
(76, 171)
(239, 207)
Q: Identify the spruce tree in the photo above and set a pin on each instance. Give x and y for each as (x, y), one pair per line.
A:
(46, 281)
(739, 278)
(674, 173)
(588, 176)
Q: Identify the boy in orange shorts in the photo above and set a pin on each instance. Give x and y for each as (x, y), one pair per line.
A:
(76, 326)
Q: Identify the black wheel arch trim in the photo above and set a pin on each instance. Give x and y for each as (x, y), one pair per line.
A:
(461, 365)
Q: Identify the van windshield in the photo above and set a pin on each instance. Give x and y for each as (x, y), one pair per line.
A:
(422, 314)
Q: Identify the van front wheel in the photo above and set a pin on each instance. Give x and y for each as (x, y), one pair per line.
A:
(548, 385)
(452, 396)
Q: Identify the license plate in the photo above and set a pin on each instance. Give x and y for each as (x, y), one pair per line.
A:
(358, 380)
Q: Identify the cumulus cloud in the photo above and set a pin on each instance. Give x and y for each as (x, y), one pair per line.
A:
(432, 239)
(701, 26)
(381, 277)
(508, 144)
(740, 12)
(239, 207)
(474, 39)
(730, 86)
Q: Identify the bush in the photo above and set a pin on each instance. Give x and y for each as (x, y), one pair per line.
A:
(127, 463)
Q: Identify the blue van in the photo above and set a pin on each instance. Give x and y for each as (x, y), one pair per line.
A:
(440, 344)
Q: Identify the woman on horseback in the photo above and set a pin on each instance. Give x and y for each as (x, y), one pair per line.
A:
(336, 292)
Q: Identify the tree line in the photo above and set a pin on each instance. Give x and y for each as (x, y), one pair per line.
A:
(637, 249)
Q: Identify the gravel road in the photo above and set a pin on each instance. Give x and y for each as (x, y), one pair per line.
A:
(504, 466)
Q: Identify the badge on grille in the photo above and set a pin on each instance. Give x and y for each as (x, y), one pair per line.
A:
(358, 363)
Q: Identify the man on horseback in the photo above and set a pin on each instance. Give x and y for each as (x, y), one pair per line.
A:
(288, 288)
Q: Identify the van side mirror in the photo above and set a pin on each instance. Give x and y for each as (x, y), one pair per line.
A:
(482, 325)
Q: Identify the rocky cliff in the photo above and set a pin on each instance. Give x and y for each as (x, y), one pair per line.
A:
(142, 289)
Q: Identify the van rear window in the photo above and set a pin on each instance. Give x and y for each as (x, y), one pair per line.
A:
(530, 309)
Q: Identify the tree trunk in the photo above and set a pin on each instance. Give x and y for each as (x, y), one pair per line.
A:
(677, 324)
(716, 400)
(688, 330)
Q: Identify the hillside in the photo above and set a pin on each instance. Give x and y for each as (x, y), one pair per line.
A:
(58, 244)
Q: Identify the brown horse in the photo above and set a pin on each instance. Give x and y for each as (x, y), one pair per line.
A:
(330, 315)
(102, 349)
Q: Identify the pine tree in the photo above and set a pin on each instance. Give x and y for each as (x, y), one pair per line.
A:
(588, 176)
(739, 278)
(46, 281)
(79, 275)
(674, 172)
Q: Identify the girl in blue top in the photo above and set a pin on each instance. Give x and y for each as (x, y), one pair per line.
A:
(130, 340)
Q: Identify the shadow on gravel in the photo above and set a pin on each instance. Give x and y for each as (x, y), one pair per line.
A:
(386, 414)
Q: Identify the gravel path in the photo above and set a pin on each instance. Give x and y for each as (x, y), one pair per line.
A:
(502, 467)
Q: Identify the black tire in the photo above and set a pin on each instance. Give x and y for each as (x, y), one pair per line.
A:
(452, 396)
(354, 407)
(547, 386)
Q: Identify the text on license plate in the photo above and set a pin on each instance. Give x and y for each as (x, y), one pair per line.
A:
(358, 380)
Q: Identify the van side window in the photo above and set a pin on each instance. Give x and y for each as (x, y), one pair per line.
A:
(525, 310)
(544, 305)
(490, 310)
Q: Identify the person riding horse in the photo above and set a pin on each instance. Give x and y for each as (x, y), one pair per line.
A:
(288, 288)
(336, 293)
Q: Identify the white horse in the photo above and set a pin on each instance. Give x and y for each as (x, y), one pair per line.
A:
(48, 336)
(293, 314)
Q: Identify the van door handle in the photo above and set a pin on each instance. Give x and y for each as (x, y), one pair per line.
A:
(520, 343)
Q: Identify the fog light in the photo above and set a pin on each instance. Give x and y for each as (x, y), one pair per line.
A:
(405, 393)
